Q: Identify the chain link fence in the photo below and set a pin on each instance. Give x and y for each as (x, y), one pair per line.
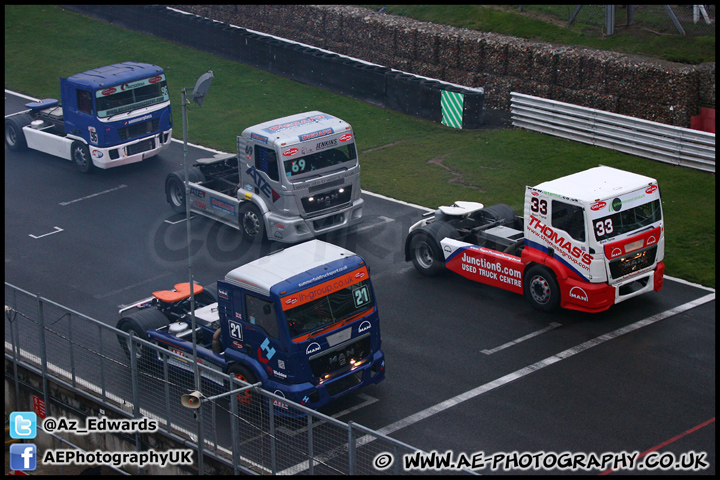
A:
(252, 431)
(695, 20)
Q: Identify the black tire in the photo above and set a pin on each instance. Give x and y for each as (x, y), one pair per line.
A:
(252, 222)
(138, 323)
(541, 289)
(426, 255)
(81, 158)
(208, 295)
(247, 398)
(175, 187)
(14, 135)
(500, 212)
(175, 192)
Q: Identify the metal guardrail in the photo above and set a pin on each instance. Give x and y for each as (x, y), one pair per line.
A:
(643, 138)
(271, 436)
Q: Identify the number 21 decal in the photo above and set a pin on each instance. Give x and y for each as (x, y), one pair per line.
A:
(361, 296)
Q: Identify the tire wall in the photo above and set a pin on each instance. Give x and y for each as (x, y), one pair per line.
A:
(483, 68)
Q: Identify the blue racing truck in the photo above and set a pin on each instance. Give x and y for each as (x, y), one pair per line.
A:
(109, 116)
(303, 321)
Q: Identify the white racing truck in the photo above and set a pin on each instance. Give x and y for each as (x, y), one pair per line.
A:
(587, 241)
(292, 179)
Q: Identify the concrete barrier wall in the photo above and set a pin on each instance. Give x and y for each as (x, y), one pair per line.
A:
(453, 105)
(630, 85)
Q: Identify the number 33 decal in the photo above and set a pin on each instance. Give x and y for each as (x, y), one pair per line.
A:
(604, 227)
(538, 206)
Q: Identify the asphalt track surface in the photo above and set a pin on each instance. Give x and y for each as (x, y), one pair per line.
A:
(470, 368)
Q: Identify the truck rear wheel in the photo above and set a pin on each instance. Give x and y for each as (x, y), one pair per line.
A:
(208, 295)
(252, 222)
(242, 373)
(425, 255)
(81, 157)
(175, 187)
(137, 324)
(542, 289)
(14, 135)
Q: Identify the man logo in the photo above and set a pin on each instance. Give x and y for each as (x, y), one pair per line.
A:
(364, 326)
(312, 348)
(578, 293)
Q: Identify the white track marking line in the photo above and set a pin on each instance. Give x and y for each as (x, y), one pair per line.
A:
(179, 221)
(93, 195)
(368, 227)
(57, 229)
(521, 339)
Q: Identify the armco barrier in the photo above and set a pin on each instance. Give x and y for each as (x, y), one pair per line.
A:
(376, 84)
(656, 141)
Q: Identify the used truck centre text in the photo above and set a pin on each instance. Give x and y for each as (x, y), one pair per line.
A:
(292, 179)
(587, 241)
(303, 321)
(109, 116)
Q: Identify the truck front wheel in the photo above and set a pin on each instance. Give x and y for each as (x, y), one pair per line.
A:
(81, 157)
(241, 373)
(425, 255)
(542, 289)
(14, 135)
(252, 223)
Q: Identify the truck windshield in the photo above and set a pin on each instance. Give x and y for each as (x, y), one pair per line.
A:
(627, 221)
(319, 160)
(341, 304)
(131, 96)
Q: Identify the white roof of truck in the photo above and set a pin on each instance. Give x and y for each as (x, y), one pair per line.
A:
(598, 183)
(290, 129)
(262, 274)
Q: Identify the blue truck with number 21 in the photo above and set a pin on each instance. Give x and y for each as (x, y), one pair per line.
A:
(303, 321)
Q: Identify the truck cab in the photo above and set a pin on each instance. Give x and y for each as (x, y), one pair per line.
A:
(109, 116)
(304, 322)
(604, 227)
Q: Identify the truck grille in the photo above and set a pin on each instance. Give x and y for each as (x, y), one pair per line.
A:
(140, 147)
(329, 199)
(139, 129)
(339, 357)
(633, 262)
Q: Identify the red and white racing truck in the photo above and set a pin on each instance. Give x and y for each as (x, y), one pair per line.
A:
(587, 241)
